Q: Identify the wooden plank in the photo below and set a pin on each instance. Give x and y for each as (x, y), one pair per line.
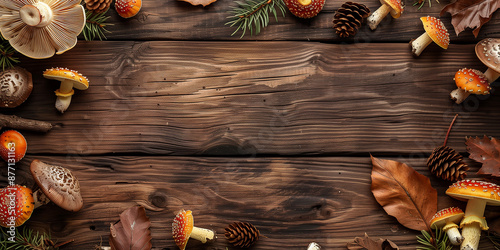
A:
(186, 98)
(291, 200)
(177, 20)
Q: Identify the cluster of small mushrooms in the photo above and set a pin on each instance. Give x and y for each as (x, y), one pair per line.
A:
(477, 194)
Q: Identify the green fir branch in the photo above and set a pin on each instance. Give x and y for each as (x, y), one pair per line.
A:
(26, 239)
(253, 15)
(7, 58)
(95, 26)
(440, 242)
(422, 2)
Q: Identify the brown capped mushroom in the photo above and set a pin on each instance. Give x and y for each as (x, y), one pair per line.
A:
(15, 87)
(488, 51)
(40, 28)
(57, 184)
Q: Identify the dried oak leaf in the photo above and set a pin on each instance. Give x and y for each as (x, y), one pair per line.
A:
(371, 244)
(200, 2)
(486, 151)
(470, 14)
(403, 193)
(132, 231)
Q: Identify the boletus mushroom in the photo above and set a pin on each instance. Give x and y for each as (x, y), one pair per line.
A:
(435, 31)
(469, 81)
(16, 85)
(183, 228)
(40, 28)
(57, 184)
(478, 194)
(395, 7)
(69, 79)
(16, 205)
(488, 51)
(447, 220)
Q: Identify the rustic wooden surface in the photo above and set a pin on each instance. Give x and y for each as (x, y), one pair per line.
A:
(275, 129)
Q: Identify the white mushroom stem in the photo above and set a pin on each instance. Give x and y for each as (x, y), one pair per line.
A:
(491, 75)
(459, 95)
(453, 234)
(40, 198)
(202, 234)
(314, 246)
(472, 232)
(63, 102)
(418, 45)
(38, 14)
(376, 17)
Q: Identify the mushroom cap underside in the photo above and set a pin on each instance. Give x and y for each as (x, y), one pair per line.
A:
(436, 31)
(182, 227)
(451, 214)
(58, 184)
(488, 51)
(62, 74)
(472, 189)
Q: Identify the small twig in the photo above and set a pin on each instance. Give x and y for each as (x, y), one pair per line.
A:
(16, 122)
(449, 129)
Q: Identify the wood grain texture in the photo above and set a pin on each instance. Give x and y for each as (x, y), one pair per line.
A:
(177, 20)
(283, 98)
(292, 201)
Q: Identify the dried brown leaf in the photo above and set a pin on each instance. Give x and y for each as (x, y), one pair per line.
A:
(470, 14)
(132, 231)
(200, 2)
(486, 151)
(371, 244)
(403, 193)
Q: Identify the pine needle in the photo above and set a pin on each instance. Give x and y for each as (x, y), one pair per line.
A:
(7, 59)
(422, 2)
(95, 25)
(253, 15)
(429, 243)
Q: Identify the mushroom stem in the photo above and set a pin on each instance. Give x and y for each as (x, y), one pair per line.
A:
(491, 75)
(66, 86)
(202, 234)
(314, 246)
(38, 14)
(64, 95)
(453, 234)
(418, 45)
(62, 103)
(40, 198)
(376, 17)
(459, 95)
(472, 231)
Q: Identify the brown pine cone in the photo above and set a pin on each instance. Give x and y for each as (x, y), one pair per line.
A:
(349, 17)
(98, 6)
(242, 234)
(447, 164)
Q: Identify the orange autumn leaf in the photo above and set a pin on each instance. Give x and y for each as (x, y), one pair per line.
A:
(200, 2)
(403, 193)
(486, 151)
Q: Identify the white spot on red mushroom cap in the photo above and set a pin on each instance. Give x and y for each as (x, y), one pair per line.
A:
(472, 80)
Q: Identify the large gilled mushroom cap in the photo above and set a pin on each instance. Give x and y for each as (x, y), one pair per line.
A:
(40, 28)
(21, 199)
(488, 51)
(472, 81)
(182, 227)
(58, 184)
(397, 7)
(471, 189)
(436, 31)
(15, 87)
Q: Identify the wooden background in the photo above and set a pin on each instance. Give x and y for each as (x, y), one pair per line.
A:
(274, 129)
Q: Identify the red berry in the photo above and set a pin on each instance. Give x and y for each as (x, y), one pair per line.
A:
(305, 8)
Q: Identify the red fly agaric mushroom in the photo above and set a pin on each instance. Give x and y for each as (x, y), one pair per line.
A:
(69, 79)
(13, 146)
(434, 31)
(15, 87)
(40, 28)
(488, 51)
(128, 8)
(447, 219)
(395, 7)
(183, 228)
(478, 194)
(57, 184)
(16, 205)
(305, 8)
(469, 81)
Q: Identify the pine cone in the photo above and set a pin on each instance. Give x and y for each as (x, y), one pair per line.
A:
(447, 164)
(349, 17)
(98, 6)
(242, 234)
